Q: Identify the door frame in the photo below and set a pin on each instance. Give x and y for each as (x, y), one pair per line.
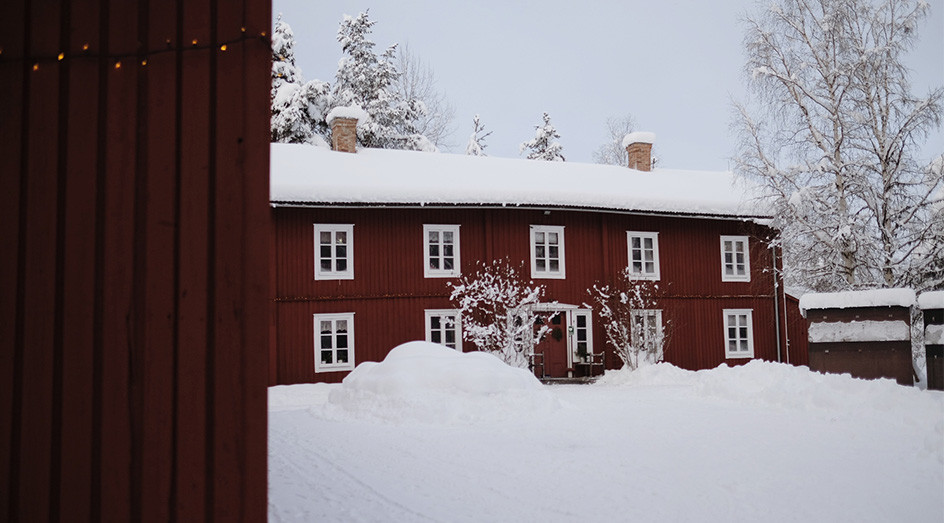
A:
(570, 317)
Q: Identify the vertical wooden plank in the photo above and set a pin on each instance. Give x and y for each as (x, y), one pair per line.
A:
(256, 216)
(76, 437)
(38, 273)
(156, 259)
(12, 115)
(192, 171)
(118, 352)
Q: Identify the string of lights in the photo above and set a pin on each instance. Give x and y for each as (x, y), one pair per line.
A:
(141, 58)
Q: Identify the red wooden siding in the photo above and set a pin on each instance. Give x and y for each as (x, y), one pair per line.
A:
(133, 220)
(389, 292)
(798, 331)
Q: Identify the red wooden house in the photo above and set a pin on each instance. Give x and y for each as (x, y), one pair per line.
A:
(366, 242)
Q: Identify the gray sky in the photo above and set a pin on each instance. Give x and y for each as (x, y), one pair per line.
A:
(674, 65)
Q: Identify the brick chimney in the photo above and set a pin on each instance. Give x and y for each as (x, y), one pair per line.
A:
(639, 149)
(344, 134)
(343, 122)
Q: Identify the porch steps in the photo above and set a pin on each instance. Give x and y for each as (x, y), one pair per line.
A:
(585, 380)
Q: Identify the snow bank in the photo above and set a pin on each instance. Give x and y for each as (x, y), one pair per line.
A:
(429, 382)
(782, 386)
(638, 137)
(934, 335)
(304, 175)
(931, 300)
(856, 331)
(850, 299)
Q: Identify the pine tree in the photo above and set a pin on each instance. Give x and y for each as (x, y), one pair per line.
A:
(298, 108)
(369, 81)
(543, 146)
(477, 144)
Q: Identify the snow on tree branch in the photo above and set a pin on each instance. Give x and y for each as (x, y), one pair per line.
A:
(498, 313)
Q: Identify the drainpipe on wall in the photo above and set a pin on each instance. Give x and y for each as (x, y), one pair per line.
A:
(773, 257)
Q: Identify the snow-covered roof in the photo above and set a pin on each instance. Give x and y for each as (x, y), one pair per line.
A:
(306, 175)
(853, 299)
(931, 300)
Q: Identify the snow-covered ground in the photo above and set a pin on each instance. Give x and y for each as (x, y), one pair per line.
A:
(434, 435)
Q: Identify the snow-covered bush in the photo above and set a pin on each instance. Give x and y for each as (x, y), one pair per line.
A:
(633, 325)
(498, 311)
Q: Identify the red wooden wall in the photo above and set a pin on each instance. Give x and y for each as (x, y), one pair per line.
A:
(133, 274)
(389, 293)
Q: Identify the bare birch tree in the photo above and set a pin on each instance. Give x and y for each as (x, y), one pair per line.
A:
(833, 137)
(612, 152)
(418, 82)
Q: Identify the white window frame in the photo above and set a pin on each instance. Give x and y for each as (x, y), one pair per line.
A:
(334, 228)
(646, 314)
(747, 259)
(643, 275)
(441, 273)
(316, 328)
(431, 313)
(561, 272)
(749, 319)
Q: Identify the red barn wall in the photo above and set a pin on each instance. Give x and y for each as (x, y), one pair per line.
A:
(389, 293)
(134, 279)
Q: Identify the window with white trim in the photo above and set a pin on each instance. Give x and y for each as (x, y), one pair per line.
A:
(443, 326)
(646, 331)
(334, 342)
(547, 251)
(440, 251)
(739, 333)
(643, 255)
(735, 260)
(334, 251)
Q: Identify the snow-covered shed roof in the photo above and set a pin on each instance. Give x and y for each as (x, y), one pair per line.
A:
(304, 175)
(931, 300)
(853, 299)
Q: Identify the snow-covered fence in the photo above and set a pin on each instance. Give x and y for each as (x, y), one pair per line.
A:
(864, 333)
(932, 305)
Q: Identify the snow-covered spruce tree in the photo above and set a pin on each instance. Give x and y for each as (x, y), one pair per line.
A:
(612, 152)
(632, 322)
(543, 146)
(476, 146)
(497, 308)
(370, 81)
(832, 137)
(298, 108)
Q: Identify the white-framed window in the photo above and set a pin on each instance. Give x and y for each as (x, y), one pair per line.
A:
(547, 251)
(735, 260)
(646, 331)
(334, 342)
(643, 254)
(443, 326)
(582, 335)
(739, 333)
(334, 251)
(441, 251)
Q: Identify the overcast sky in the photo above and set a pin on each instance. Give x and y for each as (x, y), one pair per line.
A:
(675, 66)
